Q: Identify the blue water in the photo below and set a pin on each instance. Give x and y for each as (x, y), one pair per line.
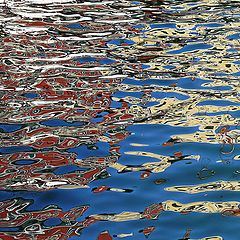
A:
(113, 72)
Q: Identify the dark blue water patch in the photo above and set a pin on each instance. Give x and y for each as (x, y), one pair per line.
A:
(86, 59)
(196, 59)
(218, 103)
(234, 36)
(123, 180)
(115, 104)
(10, 229)
(102, 149)
(191, 47)
(107, 61)
(10, 127)
(188, 83)
(162, 25)
(52, 222)
(15, 149)
(237, 74)
(97, 120)
(73, 198)
(169, 67)
(145, 66)
(80, 110)
(4, 195)
(128, 159)
(59, 122)
(24, 162)
(67, 169)
(169, 95)
(125, 94)
(132, 81)
(211, 25)
(219, 88)
(31, 95)
(76, 26)
(135, 2)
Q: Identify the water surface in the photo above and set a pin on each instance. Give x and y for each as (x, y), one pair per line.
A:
(119, 119)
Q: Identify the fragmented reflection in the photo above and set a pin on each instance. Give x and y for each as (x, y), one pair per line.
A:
(110, 109)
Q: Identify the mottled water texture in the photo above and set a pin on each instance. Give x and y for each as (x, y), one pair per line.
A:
(119, 120)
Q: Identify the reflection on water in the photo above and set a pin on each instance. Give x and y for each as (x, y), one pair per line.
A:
(119, 119)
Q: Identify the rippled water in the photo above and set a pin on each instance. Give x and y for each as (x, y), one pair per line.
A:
(119, 119)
